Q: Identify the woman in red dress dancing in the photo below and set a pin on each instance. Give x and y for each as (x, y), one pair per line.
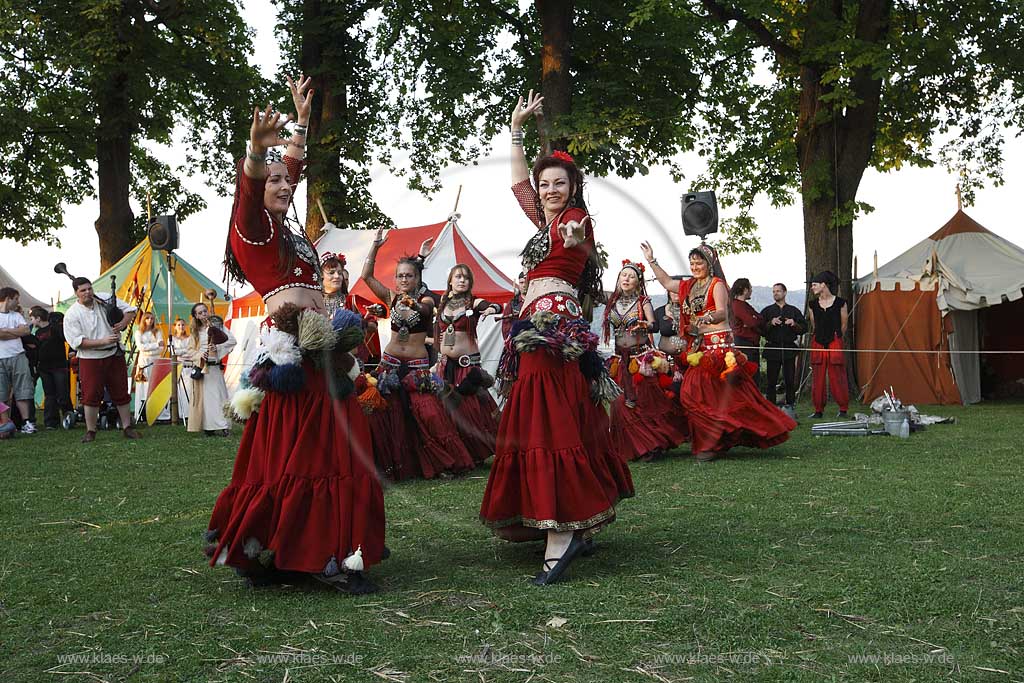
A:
(722, 403)
(304, 497)
(469, 402)
(554, 474)
(644, 421)
(413, 436)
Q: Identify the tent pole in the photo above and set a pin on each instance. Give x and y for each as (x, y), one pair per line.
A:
(457, 196)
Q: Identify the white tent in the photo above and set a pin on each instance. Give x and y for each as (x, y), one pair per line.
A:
(27, 300)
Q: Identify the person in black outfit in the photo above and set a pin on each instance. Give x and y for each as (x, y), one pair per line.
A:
(51, 365)
(783, 323)
(829, 317)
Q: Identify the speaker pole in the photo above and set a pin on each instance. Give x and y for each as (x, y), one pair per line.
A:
(169, 255)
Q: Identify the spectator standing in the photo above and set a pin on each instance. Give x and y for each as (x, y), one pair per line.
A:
(52, 365)
(783, 323)
(828, 362)
(747, 324)
(15, 374)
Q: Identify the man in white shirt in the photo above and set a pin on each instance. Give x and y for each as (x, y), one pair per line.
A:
(101, 363)
(16, 379)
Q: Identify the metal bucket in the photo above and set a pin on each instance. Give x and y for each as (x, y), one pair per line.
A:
(892, 419)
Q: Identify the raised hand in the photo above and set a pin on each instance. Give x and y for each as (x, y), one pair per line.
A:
(302, 97)
(379, 239)
(266, 130)
(647, 251)
(425, 247)
(523, 112)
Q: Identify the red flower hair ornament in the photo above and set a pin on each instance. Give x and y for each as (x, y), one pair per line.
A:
(564, 156)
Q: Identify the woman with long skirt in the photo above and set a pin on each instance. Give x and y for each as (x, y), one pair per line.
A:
(413, 435)
(467, 398)
(555, 475)
(645, 422)
(304, 498)
(722, 403)
(209, 390)
(149, 343)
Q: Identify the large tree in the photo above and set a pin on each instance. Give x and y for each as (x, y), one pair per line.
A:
(392, 77)
(95, 86)
(820, 90)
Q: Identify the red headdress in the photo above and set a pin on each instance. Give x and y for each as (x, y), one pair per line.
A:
(564, 156)
(639, 269)
(331, 256)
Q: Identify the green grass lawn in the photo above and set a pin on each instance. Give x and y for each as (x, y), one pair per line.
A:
(784, 565)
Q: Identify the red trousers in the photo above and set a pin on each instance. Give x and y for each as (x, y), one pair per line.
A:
(829, 360)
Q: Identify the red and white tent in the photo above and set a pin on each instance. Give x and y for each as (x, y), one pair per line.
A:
(450, 247)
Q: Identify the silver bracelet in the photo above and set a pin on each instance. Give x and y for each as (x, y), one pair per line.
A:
(300, 130)
(517, 138)
(653, 262)
(256, 156)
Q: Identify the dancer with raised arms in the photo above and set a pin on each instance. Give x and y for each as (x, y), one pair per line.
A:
(304, 498)
(722, 403)
(555, 475)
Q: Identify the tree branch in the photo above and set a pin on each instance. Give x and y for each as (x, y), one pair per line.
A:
(764, 36)
(512, 19)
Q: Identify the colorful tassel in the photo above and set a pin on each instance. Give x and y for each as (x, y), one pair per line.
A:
(354, 562)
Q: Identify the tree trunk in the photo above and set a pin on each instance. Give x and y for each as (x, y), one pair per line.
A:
(114, 226)
(556, 20)
(321, 57)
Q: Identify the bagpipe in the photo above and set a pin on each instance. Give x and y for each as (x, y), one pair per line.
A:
(109, 305)
(214, 336)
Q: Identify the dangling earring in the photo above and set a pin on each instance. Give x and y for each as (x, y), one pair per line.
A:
(572, 202)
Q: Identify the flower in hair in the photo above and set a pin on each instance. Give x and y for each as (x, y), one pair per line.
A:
(330, 255)
(564, 156)
(626, 263)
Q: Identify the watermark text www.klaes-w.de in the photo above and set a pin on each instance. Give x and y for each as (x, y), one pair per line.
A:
(500, 659)
(712, 659)
(111, 658)
(899, 658)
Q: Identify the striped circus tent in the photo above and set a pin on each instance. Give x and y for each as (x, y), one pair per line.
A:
(141, 278)
(451, 246)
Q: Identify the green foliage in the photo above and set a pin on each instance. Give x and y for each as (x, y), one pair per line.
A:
(421, 79)
(175, 67)
(952, 77)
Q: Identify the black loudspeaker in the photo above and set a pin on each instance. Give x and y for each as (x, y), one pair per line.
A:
(700, 213)
(163, 233)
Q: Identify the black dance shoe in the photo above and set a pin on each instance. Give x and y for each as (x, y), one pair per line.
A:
(817, 416)
(589, 547)
(353, 583)
(555, 573)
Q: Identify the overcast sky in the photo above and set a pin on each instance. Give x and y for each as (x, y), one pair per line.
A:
(910, 204)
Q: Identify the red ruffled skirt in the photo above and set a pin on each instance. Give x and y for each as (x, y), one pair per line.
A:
(303, 490)
(654, 421)
(415, 437)
(729, 411)
(554, 467)
(475, 416)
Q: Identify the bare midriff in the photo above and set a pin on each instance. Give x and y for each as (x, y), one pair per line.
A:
(465, 344)
(540, 286)
(300, 296)
(414, 347)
